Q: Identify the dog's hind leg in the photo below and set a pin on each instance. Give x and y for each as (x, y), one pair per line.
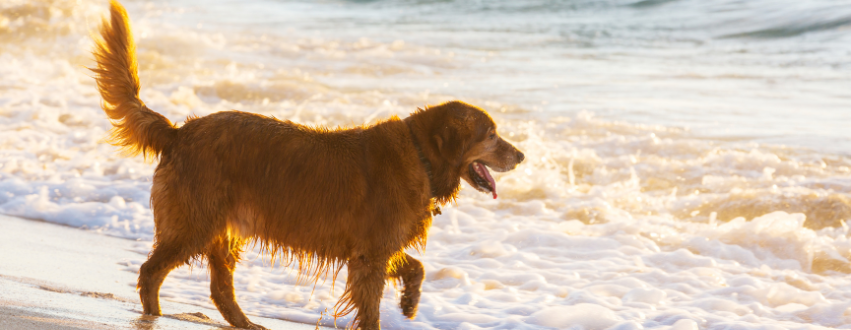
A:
(165, 257)
(177, 242)
(223, 257)
(412, 274)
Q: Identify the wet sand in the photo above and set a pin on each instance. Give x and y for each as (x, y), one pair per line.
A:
(56, 277)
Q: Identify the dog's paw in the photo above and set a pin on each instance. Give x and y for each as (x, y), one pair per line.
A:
(253, 326)
(409, 306)
(409, 312)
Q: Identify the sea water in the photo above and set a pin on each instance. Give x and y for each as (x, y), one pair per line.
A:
(688, 163)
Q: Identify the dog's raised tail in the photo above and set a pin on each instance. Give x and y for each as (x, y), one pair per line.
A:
(136, 129)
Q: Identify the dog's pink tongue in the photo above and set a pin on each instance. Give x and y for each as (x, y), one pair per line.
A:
(488, 176)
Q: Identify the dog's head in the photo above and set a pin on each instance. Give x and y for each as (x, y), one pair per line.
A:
(468, 141)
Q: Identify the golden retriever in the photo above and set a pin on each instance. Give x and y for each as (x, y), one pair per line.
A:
(323, 197)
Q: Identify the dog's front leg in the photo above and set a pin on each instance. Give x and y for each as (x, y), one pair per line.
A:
(364, 287)
(412, 275)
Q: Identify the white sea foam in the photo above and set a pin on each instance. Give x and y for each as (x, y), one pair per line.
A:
(606, 225)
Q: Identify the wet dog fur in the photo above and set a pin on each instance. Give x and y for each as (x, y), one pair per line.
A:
(325, 198)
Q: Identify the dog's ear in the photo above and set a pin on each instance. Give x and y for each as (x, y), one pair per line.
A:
(449, 144)
(451, 138)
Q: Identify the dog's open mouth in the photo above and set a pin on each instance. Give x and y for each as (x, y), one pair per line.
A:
(482, 178)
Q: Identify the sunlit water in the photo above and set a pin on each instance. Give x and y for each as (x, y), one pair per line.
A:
(687, 162)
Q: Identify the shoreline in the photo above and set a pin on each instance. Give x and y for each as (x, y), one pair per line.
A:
(60, 277)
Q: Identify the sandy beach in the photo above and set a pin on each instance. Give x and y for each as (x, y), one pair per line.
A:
(57, 277)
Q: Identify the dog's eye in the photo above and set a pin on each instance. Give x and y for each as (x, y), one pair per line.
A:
(492, 136)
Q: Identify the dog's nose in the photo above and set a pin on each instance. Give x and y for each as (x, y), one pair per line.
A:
(520, 157)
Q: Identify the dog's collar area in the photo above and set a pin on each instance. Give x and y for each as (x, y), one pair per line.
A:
(426, 163)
